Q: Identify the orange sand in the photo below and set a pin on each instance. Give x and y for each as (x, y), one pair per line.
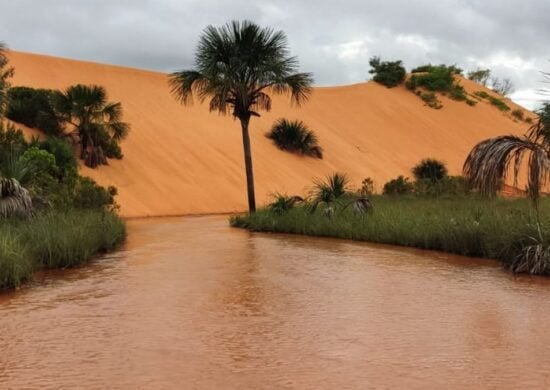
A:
(186, 160)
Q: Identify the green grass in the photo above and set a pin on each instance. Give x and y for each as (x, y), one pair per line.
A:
(471, 226)
(56, 239)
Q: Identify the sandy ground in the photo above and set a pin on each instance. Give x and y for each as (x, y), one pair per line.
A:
(186, 160)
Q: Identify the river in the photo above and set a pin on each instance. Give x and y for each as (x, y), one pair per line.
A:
(190, 303)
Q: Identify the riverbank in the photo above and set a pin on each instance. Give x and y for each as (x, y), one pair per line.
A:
(56, 239)
(504, 229)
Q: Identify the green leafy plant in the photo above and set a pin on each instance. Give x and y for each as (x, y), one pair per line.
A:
(325, 192)
(295, 136)
(430, 169)
(34, 108)
(388, 73)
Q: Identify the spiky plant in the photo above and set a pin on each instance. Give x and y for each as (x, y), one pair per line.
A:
(14, 199)
(97, 121)
(237, 66)
(328, 191)
(282, 203)
(489, 163)
(295, 136)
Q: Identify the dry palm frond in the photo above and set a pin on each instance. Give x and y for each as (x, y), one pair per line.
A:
(488, 164)
(14, 199)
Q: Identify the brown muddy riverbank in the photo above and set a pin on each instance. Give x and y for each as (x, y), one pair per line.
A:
(192, 303)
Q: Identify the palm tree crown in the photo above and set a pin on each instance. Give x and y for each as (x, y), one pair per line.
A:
(236, 66)
(97, 121)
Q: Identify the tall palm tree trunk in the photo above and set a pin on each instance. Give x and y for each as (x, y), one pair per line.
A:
(248, 164)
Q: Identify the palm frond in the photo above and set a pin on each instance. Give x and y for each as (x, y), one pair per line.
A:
(15, 200)
(489, 164)
(236, 65)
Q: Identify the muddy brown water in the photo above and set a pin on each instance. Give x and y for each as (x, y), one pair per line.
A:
(191, 303)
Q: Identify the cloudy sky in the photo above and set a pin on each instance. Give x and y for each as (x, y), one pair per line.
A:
(333, 39)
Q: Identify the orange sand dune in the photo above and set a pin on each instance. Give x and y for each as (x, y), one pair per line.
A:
(185, 160)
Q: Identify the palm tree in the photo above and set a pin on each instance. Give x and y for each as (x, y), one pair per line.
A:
(295, 136)
(236, 67)
(5, 73)
(489, 163)
(96, 121)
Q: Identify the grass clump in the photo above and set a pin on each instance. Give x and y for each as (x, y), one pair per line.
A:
(16, 265)
(498, 103)
(56, 239)
(295, 136)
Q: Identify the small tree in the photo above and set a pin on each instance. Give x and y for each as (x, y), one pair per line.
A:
(388, 73)
(480, 76)
(503, 87)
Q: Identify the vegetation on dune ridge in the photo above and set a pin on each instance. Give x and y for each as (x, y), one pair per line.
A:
(236, 67)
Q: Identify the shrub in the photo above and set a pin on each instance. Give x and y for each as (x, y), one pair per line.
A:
(431, 100)
(89, 195)
(388, 73)
(518, 114)
(430, 169)
(440, 78)
(399, 186)
(64, 156)
(498, 103)
(33, 108)
(482, 94)
(295, 136)
(367, 187)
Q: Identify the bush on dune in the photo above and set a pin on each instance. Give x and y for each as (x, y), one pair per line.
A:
(388, 73)
(295, 136)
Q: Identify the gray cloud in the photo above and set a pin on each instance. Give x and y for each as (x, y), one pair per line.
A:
(334, 40)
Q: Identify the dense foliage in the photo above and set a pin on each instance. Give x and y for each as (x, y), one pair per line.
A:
(34, 108)
(429, 169)
(295, 136)
(80, 110)
(388, 73)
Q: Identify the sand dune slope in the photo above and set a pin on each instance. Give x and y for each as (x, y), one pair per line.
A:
(185, 160)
